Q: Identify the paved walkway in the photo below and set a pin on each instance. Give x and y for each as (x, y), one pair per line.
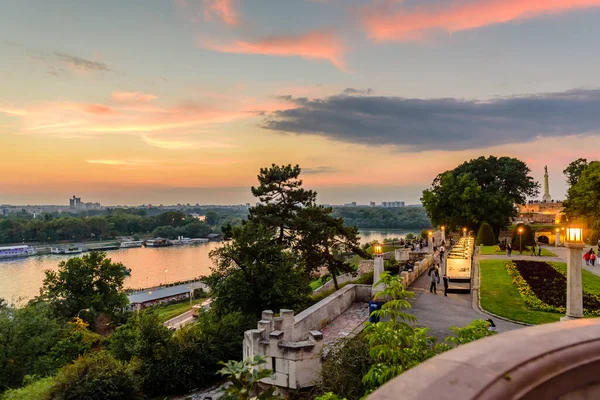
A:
(439, 313)
(349, 323)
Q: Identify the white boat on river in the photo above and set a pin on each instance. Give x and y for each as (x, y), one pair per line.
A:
(71, 249)
(17, 251)
(132, 243)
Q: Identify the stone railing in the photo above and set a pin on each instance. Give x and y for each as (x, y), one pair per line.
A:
(551, 361)
(341, 279)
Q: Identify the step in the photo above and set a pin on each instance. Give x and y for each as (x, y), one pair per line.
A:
(459, 280)
(459, 287)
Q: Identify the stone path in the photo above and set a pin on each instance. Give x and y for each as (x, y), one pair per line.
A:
(439, 313)
(349, 323)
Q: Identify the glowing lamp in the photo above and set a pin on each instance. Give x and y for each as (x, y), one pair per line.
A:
(557, 230)
(464, 229)
(574, 235)
(520, 230)
(430, 233)
(377, 249)
(443, 227)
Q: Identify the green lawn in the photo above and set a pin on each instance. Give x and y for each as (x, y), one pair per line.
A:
(591, 282)
(385, 248)
(501, 297)
(167, 312)
(489, 250)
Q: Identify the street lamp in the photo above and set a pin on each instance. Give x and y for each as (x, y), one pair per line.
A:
(377, 266)
(377, 249)
(83, 309)
(557, 242)
(574, 243)
(443, 229)
(465, 231)
(520, 230)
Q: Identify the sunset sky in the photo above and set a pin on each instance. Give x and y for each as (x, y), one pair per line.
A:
(177, 101)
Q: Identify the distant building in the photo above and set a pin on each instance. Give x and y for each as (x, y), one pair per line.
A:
(75, 202)
(5, 212)
(392, 204)
(545, 211)
(372, 204)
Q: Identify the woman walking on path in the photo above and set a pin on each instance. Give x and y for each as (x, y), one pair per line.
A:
(533, 249)
(446, 284)
(593, 258)
(434, 276)
(586, 257)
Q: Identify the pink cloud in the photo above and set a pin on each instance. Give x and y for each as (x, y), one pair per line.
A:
(133, 97)
(316, 45)
(222, 10)
(383, 20)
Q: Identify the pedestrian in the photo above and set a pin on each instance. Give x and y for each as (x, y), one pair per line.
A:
(508, 250)
(492, 326)
(586, 257)
(533, 249)
(374, 305)
(539, 251)
(442, 250)
(593, 258)
(446, 283)
(434, 277)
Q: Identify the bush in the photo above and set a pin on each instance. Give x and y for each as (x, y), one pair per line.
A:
(38, 390)
(527, 237)
(97, 376)
(485, 235)
(344, 368)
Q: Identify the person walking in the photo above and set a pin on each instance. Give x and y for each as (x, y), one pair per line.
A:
(374, 305)
(508, 250)
(533, 249)
(442, 250)
(434, 277)
(446, 283)
(586, 257)
(593, 258)
(539, 251)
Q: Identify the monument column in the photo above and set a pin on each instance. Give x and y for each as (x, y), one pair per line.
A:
(546, 197)
(574, 245)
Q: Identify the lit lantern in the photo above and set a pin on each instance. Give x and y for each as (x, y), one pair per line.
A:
(520, 230)
(377, 249)
(464, 229)
(574, 235)
(443, 228)
(430, 233)
(557, 230)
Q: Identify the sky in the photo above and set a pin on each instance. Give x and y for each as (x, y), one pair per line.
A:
(177, 101)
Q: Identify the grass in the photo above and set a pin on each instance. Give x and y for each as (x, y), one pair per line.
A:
(591, 282)
(167, 312)
(489, 250)
(501, 297)
(384, 248)
(38, 390)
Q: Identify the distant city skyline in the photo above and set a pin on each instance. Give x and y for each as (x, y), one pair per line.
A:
(167, 101)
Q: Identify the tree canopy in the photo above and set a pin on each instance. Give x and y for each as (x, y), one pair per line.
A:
(91, 282)
(583, 198)
(483, 189)
(574, 170)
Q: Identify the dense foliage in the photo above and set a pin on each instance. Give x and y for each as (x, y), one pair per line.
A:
(254, 273)
(245, 380)
(96, 376)
(92, 283)
(583, 198)
(384, 218)
(52, 227)
(574, 171)
(520, 241)
(483, 189)
(485, 236)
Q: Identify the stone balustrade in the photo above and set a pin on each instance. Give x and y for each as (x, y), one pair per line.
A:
(551, 361)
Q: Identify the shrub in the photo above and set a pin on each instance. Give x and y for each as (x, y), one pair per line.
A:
(245, 377)
(344, 368)
(527, 238)
(485, 235)
(38, 390)
(97, 376)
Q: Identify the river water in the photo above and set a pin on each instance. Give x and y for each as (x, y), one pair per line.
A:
(21, 278)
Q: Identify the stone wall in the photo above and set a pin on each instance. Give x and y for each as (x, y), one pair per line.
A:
(318, 315)
(420, 266)
(341, 279)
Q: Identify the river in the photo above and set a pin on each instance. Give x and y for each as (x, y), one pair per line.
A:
(21, 278)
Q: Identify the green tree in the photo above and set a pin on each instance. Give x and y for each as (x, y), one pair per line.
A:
(96, 376)
(91, 282)
(574, 170)
(212, 218)
(324, 241)
(483, 189)
(281, 196)
(583, 198)
(253, 273)
(524, 239)
(26, 335)
(485, 235)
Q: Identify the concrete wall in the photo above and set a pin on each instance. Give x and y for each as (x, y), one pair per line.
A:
(420, 267)
(318, 315)
(341, 279)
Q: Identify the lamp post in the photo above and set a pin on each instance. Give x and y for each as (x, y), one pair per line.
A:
(377, 267)
(520, 230)
(574, 243)
(465, 231)
(430, 242)
(557, 242)
(443, 229)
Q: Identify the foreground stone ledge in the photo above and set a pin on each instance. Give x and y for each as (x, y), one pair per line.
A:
(551, 361)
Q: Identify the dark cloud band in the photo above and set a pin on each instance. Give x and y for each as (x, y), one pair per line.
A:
(441, 124)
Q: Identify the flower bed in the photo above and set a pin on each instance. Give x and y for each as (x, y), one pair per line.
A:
(545, 288)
